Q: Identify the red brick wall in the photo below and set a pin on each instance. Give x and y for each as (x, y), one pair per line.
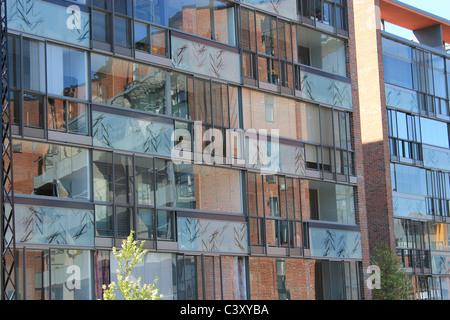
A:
(299, 278)
(367, 166)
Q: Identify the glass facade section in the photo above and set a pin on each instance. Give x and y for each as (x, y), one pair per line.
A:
(39, 225)
(52, 170)
(132, 134)
(212, 235)
(321, 51)
(106, 94)
(311, 87)
(335, 243)
(209, 60)
(329, 202)
(138, 86)
(50, 20)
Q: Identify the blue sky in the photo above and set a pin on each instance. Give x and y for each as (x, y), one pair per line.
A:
(439, 8)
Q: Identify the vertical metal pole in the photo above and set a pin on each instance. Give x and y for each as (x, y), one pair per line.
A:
(7, 230)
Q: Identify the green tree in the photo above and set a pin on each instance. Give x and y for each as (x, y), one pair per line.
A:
(130, 255)
(394, 284)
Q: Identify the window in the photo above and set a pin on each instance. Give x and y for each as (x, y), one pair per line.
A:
(175, 185)
(408, 179)
(139, 86)
(150, 39)
(321, 51)
(101, 24)
(211, 19)
(329, 202)
(277, 198)
(67, 72)
(61, 270)
(248, 42)
(68, 116)
(266, 29)
(434, 132)
(283, 114)
(332, 13)
(405, 136)
(52, 170)
(55, 267)
(153, 11)
(218, 189)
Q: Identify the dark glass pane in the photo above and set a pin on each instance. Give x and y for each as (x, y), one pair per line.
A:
(104, 221)
(144, 181)
(141, 36)
(123, 179)
(103, 176)
(101, 26)
(145, 223)
(122, 32)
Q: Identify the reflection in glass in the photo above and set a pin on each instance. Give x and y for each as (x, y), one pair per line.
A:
(132, 134)
(67, 72)
(144, 181)
(138, 86)
(57, 115)
(64, 264)
(104, 221)
(122, 32)
(33, 65)
(145, 223)
(33, 110)
(101, 26)
(321, 51)
(36, 264)
(52, 170)
(49, 20)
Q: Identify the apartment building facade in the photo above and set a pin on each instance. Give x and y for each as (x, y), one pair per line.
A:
(225, 134)
(405, 133)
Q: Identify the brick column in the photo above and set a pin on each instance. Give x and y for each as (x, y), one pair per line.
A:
(375, 163)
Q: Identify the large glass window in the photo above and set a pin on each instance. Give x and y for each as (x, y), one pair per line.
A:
(434, 132)
(50, 20)
(211, 19)
(153, 11)
(71, 274)
(33, 65)
(321, 51)
(408, 179)
(142, 87)
(267, 111)
(68, 116)
(397, 63)
(67, 72)
(329, 202)
(51, 170)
